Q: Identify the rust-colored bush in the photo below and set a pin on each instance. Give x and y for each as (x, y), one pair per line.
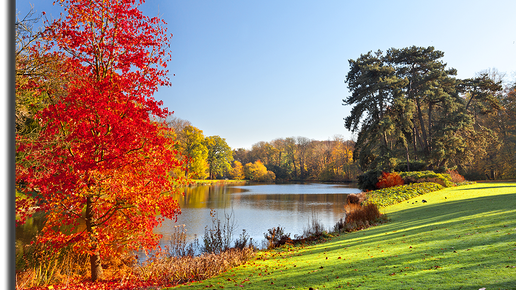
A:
(351, 207)
(456, 177)
(389, 180)
(356, 198)
(360, 217)
(352, 199)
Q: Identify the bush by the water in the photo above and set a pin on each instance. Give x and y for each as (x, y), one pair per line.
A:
(392, 195)
(359, 217)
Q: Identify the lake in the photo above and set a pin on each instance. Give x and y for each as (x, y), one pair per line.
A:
(257, 208)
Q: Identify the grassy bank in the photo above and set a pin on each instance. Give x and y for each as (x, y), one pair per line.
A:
(461, 238)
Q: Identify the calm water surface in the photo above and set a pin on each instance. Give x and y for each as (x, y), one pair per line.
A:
(257, 208)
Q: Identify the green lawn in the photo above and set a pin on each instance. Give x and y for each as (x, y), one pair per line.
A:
(461, 238)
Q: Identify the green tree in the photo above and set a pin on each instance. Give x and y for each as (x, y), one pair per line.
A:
(407, 105)
(375, 87)
(220, 156)
(191, 142)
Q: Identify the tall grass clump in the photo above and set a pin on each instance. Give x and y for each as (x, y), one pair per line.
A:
(163, 269)
(182, 262)
(37, 266)
(314, 232)
(359, 217)
(218, 237)
(277, 237)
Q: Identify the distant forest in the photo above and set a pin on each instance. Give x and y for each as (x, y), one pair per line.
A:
(300, 158)
(283, 159)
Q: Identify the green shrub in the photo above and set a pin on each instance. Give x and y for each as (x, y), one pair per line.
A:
(443, 179)
(392, 195)
(415, 165)
(369, 179)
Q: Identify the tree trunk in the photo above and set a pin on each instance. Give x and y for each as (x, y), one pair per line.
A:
(423, 130)
(187, 167)
(430, 125)
(96, 266)
(408, 157)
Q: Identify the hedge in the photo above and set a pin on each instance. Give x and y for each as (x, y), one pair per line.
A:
(392, 195)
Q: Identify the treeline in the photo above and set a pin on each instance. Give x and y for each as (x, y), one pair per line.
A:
(284, 159)
(411, 112)
(203, 156)
(300, 158)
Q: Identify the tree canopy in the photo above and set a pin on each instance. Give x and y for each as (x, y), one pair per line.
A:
(99, 166)
(408, 106)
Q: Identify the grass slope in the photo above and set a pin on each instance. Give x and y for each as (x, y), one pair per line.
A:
(462, 238)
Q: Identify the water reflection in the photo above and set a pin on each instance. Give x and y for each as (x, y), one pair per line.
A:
(257, 208)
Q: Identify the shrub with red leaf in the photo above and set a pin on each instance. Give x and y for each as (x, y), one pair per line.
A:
(456, 177)
(389, 180)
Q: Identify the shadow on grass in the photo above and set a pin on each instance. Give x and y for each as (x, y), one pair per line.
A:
(467, 243)
(425, 218)
(490, 187)
(456, 244)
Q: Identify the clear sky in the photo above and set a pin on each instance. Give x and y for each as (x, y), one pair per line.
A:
(253, 71)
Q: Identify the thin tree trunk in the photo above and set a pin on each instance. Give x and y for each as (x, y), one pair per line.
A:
(422, 124)
(408, 158)
(96, 266)
(430, 110)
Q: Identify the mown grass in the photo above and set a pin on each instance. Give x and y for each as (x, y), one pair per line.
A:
(461, 238)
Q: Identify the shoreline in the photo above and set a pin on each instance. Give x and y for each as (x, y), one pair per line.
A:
(417, 248)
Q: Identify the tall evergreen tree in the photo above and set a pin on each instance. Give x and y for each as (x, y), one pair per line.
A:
(407, 105)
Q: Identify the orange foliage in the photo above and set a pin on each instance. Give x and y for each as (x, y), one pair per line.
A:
(456, 177)
(389, 180)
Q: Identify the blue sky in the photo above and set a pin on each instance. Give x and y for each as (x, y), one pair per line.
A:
(253, 71)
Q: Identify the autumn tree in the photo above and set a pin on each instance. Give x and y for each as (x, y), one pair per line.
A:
(192, 145)
(258, 172)
(100, 166)
(492, 110)
(237, 171)
(220, 156)
(329, 160)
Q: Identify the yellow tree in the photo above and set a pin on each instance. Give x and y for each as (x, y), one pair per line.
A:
(237, 172)
(258, 172)
(191, 142)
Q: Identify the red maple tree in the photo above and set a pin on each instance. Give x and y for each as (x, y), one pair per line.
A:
(101, 167)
